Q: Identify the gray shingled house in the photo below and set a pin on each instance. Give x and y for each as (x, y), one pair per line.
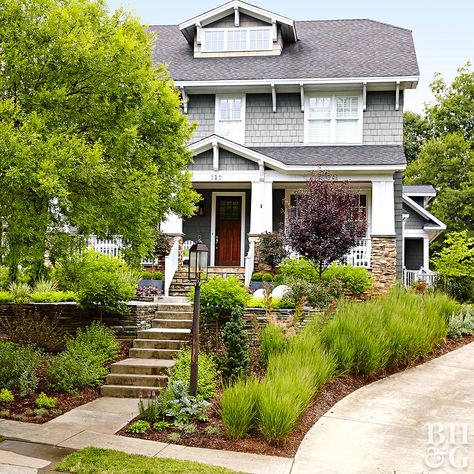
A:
(275, 99)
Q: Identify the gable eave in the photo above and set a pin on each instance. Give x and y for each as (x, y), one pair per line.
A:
(424, 213)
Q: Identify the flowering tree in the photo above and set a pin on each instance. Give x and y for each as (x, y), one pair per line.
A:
(325, 221)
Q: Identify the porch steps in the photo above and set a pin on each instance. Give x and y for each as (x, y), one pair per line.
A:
(181, 286)
(147, 369)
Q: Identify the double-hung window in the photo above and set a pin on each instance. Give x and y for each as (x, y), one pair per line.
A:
(333, 119)
(230, 117)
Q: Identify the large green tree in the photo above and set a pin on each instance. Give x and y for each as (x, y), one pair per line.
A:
(92, 140)
(446, 156)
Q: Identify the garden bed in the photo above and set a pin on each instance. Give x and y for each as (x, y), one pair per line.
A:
(330, 394)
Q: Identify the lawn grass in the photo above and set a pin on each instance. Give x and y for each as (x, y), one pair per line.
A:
(107, 461)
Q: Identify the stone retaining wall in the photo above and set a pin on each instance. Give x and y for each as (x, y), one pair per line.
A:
(71, 317)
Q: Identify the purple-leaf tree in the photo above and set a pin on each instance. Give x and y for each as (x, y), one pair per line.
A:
(324, 220)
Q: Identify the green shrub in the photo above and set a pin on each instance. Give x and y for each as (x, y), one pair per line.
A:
(176, 403)
(20, 292)
(257, 276)
(277, 303)
(33, 328)
(388, 332)
(236, 342)
(5, 297)
(152, 276)
(45, 286)
(207, 372)
(43, 401)
(238, 408)
(161, 425)
(98, 280)
(318, 293)
(18, 367)
(267, 277)
(174, 437)
(272, 341)
(300, 268)
(139, 427)
(272, 249)
(4, 278)
(219, 296)
(96, 343)
(356, 280)
(461, 323)
(67, 372)
(6, 396)
(52, 296)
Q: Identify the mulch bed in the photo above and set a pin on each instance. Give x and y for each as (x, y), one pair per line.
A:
(24, 409)
(331, 393)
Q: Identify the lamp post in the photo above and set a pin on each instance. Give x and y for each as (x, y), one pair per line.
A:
(198, 254)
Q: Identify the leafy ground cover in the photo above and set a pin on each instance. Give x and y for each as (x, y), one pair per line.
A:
(102, 461)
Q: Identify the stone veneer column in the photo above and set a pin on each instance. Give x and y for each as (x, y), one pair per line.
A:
(383, 257)
(258, 265)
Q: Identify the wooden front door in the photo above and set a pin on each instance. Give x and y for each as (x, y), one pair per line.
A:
(228, 230)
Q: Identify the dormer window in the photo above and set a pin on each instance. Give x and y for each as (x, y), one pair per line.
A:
(237, 39)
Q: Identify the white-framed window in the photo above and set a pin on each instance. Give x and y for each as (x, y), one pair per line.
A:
(230, 117)
(333, 118)
(236, 39)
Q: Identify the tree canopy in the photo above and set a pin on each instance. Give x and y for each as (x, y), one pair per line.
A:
(445, 158)
(325, 221)
(92, 140)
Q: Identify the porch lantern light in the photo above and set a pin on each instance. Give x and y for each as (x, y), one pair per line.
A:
(198, 255)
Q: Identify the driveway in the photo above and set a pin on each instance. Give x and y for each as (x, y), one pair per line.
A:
(417, 421)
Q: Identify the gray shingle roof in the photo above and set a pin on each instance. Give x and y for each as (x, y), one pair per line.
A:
(326, 49)
(336, 155)
(419, 189)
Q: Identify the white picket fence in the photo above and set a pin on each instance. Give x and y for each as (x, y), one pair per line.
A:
(423, 275)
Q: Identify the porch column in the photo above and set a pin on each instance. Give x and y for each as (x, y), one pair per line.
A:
(383, 238)
(426, 253)
(173, 228)
(261, 208)
(261, 217)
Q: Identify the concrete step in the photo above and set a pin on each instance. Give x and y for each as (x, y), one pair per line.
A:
(172, 323)
(164, 334)
(142, 366)
(154, 353)
(174, 300)
(176, 308)
(172, 314)
(178, 292)
(137, 380)
(128, 391)
(152, 344)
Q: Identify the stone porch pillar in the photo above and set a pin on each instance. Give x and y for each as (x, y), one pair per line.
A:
(383, 253)
(261, 217)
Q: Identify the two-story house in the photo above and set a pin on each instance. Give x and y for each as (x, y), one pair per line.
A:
(275, 100)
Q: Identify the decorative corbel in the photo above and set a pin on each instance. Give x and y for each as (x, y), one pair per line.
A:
(302, 97)
(274, 98)
(215, 156)
(198, 32)
(364, 96)
(236, 16)
(261, 170)
(275, 31)
(397, 96)
(185, 99)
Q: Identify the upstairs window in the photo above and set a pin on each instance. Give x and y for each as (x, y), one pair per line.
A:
(230, 117)
(333, 119)
(237, 39)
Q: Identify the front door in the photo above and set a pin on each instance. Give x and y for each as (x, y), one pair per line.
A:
(228, 230)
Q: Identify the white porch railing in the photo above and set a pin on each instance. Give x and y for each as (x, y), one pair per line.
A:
(359, 256)
(426, 276)
(249, 263)
(171, 266)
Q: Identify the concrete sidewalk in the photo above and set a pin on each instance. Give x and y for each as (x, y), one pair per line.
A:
(383, 428)
(95, 424)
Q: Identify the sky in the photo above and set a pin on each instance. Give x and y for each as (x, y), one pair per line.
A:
(443, 30)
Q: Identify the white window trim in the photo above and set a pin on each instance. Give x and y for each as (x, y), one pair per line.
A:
(243, 237)
(226, 30)
(333, 120)
(354, 187)
(241, 138)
